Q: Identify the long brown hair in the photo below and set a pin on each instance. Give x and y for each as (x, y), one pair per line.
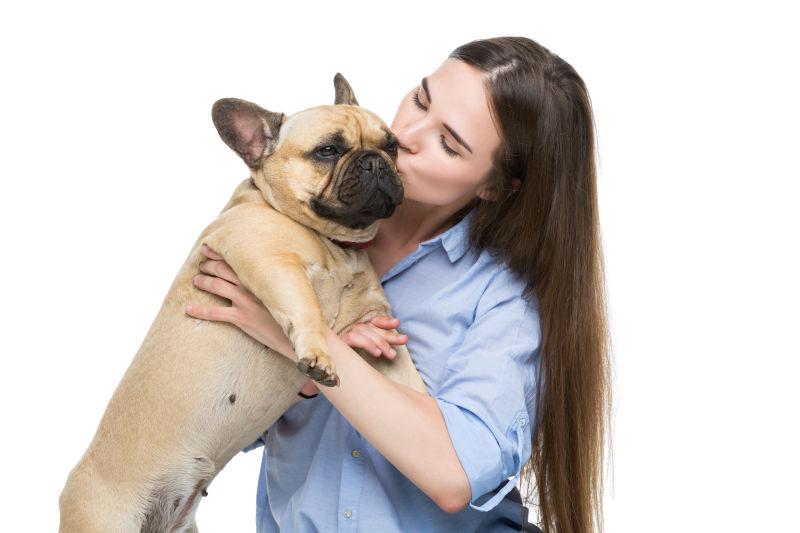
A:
(548, 232)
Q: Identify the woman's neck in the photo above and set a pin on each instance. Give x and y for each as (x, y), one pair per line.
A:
(414, 222)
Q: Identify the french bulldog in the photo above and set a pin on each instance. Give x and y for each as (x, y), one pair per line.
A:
(197, 392)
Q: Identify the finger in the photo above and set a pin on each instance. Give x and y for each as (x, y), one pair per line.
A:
(393, 337)
(354, 339)
(385, 322)
(221, 269)
(377, 337)
(210, 312)
(208, 252)
(217, 286)
(397, 338)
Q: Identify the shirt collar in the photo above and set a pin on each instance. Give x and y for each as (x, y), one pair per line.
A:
(455, 240)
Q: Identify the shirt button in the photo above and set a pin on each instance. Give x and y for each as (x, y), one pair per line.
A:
(356, 454)
(521, 422)
(348, 513)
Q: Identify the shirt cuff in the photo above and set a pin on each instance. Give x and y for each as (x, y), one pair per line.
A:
(480, 453)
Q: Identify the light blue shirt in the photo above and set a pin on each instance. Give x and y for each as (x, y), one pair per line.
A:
(475, 341)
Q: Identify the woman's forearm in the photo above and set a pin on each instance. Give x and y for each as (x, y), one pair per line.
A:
(406, 426)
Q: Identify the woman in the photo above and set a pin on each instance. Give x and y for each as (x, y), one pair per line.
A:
(492, 264)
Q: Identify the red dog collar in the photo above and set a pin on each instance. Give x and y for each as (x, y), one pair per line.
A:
(359, 245)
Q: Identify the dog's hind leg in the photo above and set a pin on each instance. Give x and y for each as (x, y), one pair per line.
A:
(174, 503)
(88, 504)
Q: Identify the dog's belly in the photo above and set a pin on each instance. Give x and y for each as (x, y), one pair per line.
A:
(196, 393)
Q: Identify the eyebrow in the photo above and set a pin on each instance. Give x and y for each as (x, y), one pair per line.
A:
(455, 135)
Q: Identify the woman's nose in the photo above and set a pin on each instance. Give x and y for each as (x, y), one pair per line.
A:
(404, 140)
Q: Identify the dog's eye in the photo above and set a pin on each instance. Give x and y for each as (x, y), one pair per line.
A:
(328, 151)
(392, 147)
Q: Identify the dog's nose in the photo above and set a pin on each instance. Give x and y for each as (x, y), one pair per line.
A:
(372, 162)
(374, 168)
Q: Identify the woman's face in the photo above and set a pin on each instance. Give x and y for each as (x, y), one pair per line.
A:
(452, 106)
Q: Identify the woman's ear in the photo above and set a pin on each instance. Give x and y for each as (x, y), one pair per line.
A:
(490, 195)
(486, 194)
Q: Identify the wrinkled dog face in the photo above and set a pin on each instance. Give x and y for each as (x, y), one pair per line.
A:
(330, 167)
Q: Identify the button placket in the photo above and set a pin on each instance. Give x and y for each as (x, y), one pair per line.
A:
(351, 482)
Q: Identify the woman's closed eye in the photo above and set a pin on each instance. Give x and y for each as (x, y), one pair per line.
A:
(450, 151)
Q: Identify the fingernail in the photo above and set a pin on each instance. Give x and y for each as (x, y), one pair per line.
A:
(392, 352)
(188, 308)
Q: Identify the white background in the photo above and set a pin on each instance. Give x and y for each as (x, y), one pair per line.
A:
(111, 167)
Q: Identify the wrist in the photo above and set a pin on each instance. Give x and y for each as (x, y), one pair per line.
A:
(287, 351)
(283, 346)
(309, 390)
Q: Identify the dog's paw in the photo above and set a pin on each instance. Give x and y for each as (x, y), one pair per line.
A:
(320, 368)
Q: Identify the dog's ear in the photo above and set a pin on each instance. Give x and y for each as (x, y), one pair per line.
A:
(248, 129)
(344, 93)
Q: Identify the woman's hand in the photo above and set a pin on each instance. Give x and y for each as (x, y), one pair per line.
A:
(246, 310)
(374, 337)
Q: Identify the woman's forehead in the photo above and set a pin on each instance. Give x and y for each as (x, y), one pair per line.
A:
(457, 93)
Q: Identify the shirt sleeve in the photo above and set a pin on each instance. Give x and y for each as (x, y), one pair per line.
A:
(256, 444)
(487, 396)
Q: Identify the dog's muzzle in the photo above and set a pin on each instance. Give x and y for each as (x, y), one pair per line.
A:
(368, 190)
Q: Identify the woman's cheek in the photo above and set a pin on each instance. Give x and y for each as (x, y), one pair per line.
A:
(436, 190)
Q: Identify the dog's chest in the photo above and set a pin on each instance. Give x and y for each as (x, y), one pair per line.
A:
(329, 285)
(339, 281)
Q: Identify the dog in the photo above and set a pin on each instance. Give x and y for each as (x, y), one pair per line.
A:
(197, 392)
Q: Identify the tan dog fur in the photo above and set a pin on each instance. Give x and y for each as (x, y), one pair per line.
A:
(197, 392)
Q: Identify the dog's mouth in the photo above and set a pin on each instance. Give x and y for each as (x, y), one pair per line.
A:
(354, 219)
(367, 190)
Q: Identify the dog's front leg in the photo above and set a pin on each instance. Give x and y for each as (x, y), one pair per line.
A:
(285, 289)
(283, 286)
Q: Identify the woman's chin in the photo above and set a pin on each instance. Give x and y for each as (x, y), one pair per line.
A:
(408, 190)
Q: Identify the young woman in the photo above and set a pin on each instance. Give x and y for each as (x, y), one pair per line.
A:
(493, 267)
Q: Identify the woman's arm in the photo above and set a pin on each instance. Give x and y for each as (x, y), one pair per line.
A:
(404, 425)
